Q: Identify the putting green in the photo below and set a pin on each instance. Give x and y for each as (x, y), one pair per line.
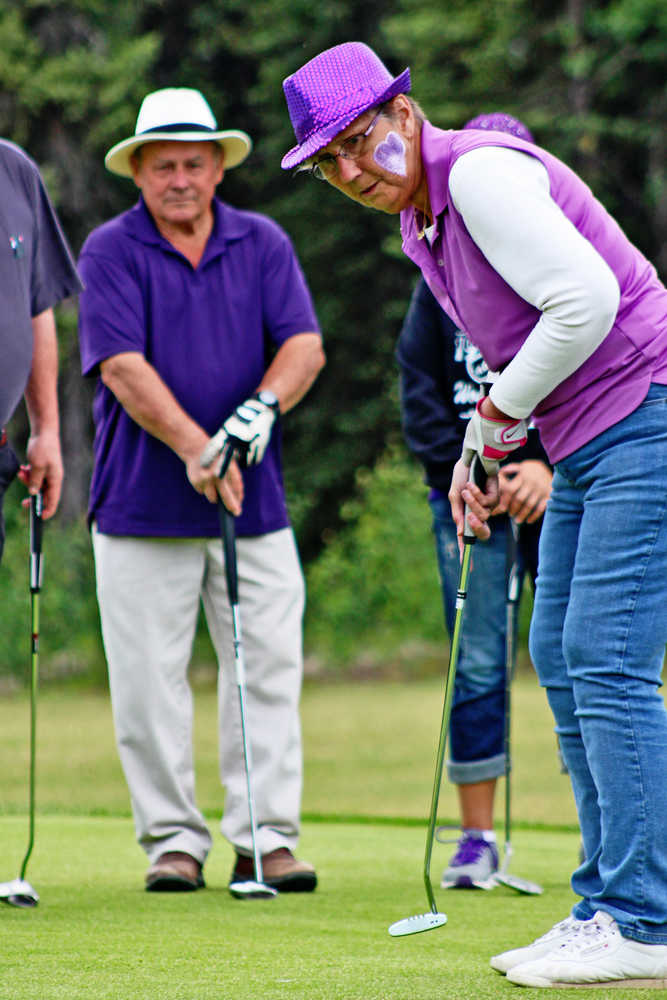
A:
(369, 748)
(96, 935)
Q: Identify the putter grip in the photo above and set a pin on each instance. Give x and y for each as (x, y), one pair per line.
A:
(221, 443)
(213, 447)
(478, 472)
(479, 477)
(35, 542)
(511, 568)
(228, 531)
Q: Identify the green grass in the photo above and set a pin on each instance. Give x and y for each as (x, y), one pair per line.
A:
(369, 752)
(96, 935)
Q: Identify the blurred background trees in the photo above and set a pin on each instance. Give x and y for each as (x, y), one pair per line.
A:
(588, 78)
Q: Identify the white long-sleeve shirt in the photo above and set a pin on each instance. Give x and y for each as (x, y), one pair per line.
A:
(503, 197)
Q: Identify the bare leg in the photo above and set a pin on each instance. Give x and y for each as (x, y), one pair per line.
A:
(476, 858)
(476, 804)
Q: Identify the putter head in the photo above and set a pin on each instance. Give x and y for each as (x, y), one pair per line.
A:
(415, 925)
(252, 890)
(518, 884)
(18, 893)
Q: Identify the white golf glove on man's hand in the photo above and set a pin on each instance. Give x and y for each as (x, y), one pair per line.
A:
(492, 439)
(250, 426)
(252, 423)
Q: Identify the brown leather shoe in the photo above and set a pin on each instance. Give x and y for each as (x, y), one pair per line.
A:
(175, 871)
(281, 870)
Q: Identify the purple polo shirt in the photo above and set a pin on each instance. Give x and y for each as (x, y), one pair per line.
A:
(614, 380)
(210, 333)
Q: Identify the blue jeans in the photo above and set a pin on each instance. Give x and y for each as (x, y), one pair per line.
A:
(597, 640)
(9, 466)
(478, 709)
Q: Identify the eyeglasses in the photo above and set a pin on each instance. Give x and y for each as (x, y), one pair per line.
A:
(350, 149)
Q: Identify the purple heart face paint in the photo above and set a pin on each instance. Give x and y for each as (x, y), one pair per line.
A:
(390, 154)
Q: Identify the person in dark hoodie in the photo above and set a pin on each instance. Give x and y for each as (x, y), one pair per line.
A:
(442, 376)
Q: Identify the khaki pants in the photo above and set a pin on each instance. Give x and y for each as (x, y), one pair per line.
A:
(148, 591)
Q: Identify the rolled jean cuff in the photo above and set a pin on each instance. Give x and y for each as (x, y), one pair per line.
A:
(470, 771)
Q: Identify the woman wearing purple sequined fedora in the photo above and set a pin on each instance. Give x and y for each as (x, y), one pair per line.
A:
(523, 258)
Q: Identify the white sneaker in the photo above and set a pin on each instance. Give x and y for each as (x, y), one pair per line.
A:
(541, 946)
(596, 953)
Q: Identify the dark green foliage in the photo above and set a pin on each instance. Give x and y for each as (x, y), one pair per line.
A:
(70, 644)
(376, 584)
(374, 600)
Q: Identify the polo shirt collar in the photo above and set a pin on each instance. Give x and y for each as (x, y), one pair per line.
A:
(436, 158)
(436, 161)
(229, 225)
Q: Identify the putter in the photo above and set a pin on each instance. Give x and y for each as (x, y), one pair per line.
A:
(429, 921)
(503, 876)
(19, 892)
(251, 888)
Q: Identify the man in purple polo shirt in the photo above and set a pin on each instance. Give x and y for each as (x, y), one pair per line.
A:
(196, 315)
(525, 259)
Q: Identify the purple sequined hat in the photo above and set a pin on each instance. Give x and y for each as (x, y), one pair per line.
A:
(500, 121)
(333, 89)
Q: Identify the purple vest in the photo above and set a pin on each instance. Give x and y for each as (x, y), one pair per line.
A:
(614, 380)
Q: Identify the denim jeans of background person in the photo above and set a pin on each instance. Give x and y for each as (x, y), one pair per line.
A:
(197, 315)
(527, 261)
(9, 466)
(441, 380)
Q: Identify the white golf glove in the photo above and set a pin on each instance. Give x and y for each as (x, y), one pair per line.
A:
(250, 427)
(492, 439)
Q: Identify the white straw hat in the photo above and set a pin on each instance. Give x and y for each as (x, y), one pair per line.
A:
(177, 114)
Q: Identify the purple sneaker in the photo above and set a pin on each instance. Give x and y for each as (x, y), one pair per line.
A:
(473, 866)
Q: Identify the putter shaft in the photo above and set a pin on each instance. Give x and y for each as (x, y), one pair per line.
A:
(513, 596)
(428, 921)
(19, 892)
(227, 527)
(478, 475)
(36, 567)
(34, 684)
(446, 715)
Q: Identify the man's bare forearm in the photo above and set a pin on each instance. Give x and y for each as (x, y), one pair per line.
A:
(295, 367)
(150, 402)
(41, 392)
(44, 469)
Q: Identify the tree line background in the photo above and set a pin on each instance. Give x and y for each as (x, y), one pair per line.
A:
(587, 77)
